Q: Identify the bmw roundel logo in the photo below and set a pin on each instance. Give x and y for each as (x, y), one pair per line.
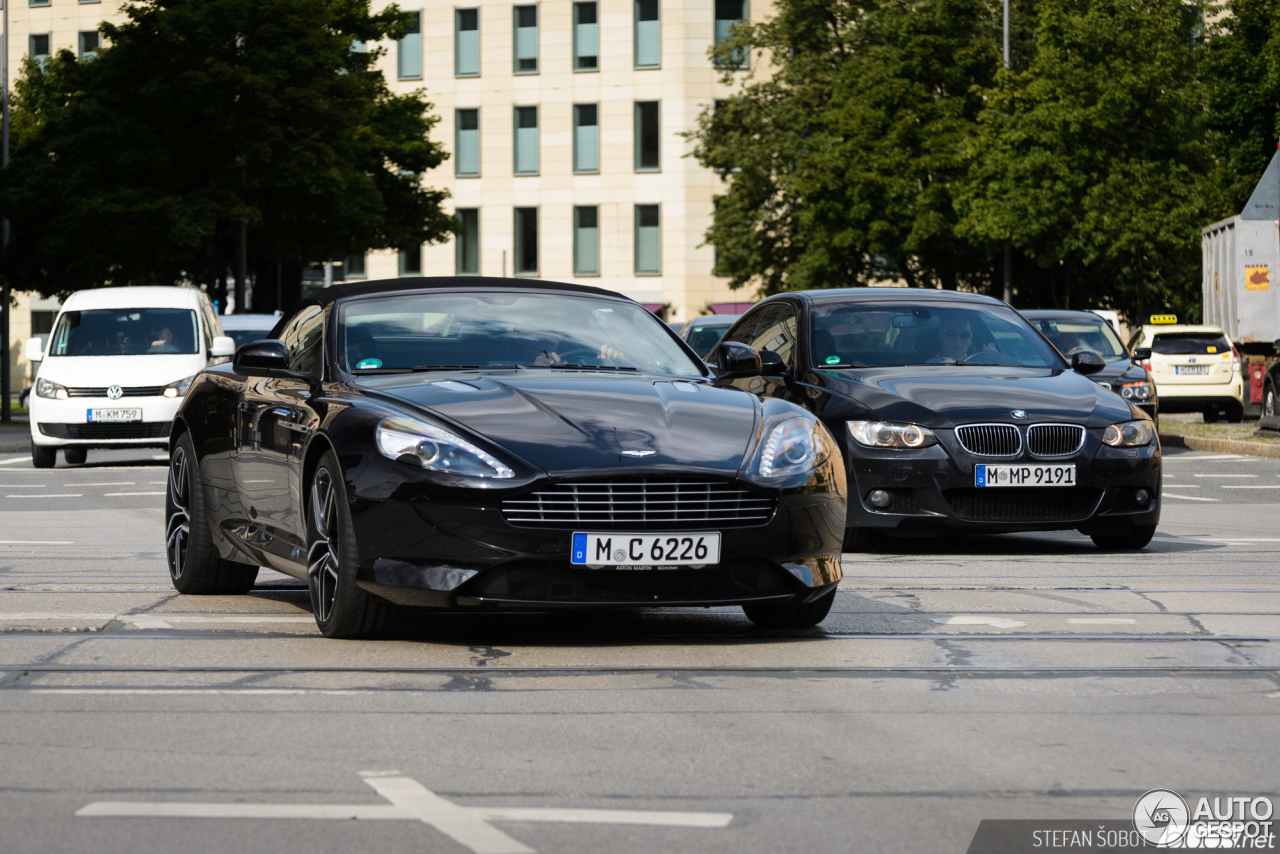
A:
(1019, 413)
(115, 392)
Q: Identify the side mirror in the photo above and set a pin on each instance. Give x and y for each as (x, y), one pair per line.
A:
(34, 350)
(261, 358)
(771, 364)
(1141, 354)
(735, 359)
(223, 345)
(1087, 363)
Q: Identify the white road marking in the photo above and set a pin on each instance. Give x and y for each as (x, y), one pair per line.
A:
(37, 542)
(12, 461)
(1250, 486)
(113, 494)
(268, 480)
(1186, 497)
(58, 495)
(28, 485)
(165, 621)
(1224, 475)
(1238, 539)
(1187, 486)
(184, 691)
(411, 801)
(1092, 620)
(114, 483)
(999, 623)
(59, 615)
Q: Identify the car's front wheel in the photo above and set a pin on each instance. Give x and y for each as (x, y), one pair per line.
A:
(795, 613)
(341, 608)
(194, 563)
(860, 539)
(75, 456)
(43, 456)
(1136, 538)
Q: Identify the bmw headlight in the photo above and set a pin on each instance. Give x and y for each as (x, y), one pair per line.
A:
(179, 388)
(437, 449)
(1129, 434)
(885, 434)
(50, 389)
(794, 447)
(1140, 390)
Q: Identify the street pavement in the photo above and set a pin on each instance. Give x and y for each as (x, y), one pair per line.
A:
(956, 680)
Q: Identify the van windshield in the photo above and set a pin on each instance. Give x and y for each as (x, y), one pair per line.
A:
(125, 332)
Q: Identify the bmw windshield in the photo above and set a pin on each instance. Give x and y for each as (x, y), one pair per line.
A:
(849, 335)
(496, 330)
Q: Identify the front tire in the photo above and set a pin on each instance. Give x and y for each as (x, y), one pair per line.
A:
(195, 566)
(43, 456)
(1269, 400)
(1136, 538)
(75, 456)
(794, 613)
(860, 539)
(341, 608)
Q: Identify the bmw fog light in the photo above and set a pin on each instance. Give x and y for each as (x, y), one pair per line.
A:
(879, 498)
(1142, 497)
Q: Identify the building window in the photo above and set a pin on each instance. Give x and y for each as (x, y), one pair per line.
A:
(586, 38)
(411, 261)
(526, 141)
(648, 241)
(526, 43)
(354, 267)
(38, 47)
(409, 51)
(42, 322)
(37, 2)
(526, 262)
(467, 257)
(586, 241)
(89, 42)
(648, 34)
(586, 138)
(83, 2)
(647, 136)
(728, 13)
(466, 42)
(467, 144)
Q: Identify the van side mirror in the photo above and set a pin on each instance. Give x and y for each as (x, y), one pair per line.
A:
(223, 345)
(1087, 362)
(261, 358)
(34, 350)
(1141, 354)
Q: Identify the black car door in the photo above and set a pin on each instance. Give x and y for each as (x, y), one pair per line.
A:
(275, 418)
(775, 331)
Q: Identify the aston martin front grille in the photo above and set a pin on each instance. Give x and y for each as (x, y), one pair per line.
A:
(990, 440)
(1054, 440)
(656, 503)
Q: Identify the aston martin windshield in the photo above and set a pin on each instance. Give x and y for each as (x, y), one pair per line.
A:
(861, 335)
(479, 330)
(1075, 335)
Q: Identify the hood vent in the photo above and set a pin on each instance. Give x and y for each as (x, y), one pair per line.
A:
(990, 440)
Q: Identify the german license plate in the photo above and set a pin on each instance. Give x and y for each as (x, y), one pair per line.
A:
(1191, 369)
(645, 550)
(115, 415)
(1024, 476)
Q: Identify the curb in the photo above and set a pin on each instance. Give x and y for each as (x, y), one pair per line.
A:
(1222, 446)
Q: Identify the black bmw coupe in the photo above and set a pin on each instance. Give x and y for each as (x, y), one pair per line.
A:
(954, 413)
(472, 443)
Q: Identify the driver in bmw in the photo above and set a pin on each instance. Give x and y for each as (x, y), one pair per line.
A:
(954, 337)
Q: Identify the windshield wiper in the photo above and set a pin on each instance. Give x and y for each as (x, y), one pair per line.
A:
(585, 367)
(422, 368)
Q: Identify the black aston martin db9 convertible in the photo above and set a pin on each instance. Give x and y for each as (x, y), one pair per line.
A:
(473, 443)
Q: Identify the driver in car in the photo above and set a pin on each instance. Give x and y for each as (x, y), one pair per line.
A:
(955, 335)
(547, 357)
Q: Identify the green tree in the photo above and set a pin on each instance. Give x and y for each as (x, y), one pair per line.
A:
(1091, 160)
(141, 163)
(842, 159)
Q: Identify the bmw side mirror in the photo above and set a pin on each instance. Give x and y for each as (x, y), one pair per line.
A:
(223, 345)
(261, 358)
(1141, 354)
(1087, 363)
(771, 364)
(735, 359)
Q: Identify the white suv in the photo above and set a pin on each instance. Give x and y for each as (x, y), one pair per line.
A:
(118, 363)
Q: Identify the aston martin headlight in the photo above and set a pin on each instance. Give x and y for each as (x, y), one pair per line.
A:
(50, 389)
(179, 388)
(1129, 434)
(431, 447)
(1140, 390)
(885, 434)
(796, 446)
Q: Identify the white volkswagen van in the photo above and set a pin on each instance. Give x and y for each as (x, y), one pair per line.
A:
(117, 364)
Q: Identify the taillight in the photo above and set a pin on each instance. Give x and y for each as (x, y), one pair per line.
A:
(1146, 364)
(1235, 359)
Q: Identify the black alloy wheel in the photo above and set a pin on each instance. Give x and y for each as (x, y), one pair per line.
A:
(1136, 538)
(75, 455)
(341, 608)
(43, 456)
(194, 563)
(794, 613)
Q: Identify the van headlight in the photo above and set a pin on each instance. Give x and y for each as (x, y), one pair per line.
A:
(414, 441)
(50, 389)
(886, 434)
(1129, 434)
(179, 388)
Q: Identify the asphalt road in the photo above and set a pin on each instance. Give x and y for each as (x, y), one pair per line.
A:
(969, 678)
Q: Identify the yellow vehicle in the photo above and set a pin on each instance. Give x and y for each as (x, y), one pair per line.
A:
(1195, 368)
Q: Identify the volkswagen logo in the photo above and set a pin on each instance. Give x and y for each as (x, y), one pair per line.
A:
(1019, 413)
(115, 392)
(1192, 360)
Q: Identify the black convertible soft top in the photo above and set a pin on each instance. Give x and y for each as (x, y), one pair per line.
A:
(422, 283)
